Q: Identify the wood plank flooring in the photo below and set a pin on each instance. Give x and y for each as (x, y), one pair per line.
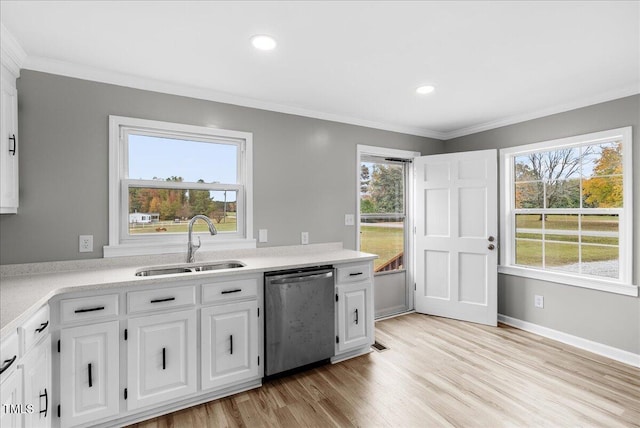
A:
(439, 372)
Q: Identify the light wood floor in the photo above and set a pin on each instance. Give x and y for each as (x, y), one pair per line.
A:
(439, 372)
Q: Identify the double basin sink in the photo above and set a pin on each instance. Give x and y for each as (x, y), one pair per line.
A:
(190, 268)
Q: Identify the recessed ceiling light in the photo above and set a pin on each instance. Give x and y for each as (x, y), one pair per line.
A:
(424, 90)
(263, 42)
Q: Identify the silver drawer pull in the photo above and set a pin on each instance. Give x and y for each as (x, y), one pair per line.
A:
(97, 308)
(42, 327)
(237, 290)
(167, 299)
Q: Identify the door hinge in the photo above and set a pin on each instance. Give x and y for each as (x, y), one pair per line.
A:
(58, 410)
(125, 393)
(337, 339)
(58, 346)
(126, 334)
(336, 297)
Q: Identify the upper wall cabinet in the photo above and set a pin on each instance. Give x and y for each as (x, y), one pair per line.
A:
(12, 58)
(9, 148)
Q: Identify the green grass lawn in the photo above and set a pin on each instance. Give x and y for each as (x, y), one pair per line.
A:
(386, 242)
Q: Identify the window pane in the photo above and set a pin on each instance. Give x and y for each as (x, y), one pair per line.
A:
(602, 192)
(381, 188)
(600, 239)
(529, 240)
(602, 159)
(172, 159)
(600, 260)
(153, 210)
(526, 168)
(554, 223)
(562, 256)
(529, 195)
(562, 194)
(383, 236)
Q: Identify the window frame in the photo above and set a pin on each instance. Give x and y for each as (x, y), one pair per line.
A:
(623, 285)
(120, 241)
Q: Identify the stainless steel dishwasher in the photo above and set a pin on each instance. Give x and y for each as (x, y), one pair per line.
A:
(299, 318)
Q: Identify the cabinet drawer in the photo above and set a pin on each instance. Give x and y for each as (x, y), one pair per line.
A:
(88, 308)
(163, 298)
(229, 290)
(8, 355)
(35, 328)
(353, 273)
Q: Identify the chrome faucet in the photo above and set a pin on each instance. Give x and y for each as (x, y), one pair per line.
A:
(191, 247)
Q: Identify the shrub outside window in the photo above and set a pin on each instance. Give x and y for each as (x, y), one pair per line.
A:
(567, 210)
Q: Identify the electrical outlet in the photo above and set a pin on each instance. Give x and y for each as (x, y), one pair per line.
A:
(262, 235)
(349, 220)
(538, 301)
(85, 244)
(304, 238)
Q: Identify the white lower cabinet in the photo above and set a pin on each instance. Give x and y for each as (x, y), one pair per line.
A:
(37, 385)
(161, 357)
(354, 319)
(229, 344)
(89, 373)
(11, 414)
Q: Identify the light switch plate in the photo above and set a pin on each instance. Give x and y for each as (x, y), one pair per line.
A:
(262, 235)
(349, 220)
(304, 238)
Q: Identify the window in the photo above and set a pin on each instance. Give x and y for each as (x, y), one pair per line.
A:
(162, 174)
(567, 211)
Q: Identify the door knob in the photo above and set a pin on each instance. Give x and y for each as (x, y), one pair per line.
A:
(491, 246)
(491, 239)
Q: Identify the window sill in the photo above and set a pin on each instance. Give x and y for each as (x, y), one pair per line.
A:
(151, 248)
(566, 279)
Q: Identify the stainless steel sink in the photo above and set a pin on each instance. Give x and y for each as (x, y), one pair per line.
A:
(201, 267)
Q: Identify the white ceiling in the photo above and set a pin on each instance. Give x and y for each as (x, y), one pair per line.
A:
(493, 63)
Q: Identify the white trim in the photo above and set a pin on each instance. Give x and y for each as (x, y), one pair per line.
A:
(587, 101)
(573, 280)
(622, 286)
(364, 150)
(616, 354)
(12, 54)
(120, 244)
(63, 68)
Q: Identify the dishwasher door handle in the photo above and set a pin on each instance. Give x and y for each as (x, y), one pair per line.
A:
(301, 278)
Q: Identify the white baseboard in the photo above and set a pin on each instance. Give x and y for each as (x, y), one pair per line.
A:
(620, 355)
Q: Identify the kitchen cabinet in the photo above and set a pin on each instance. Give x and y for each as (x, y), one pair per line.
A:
(37, 385)
(161, 358)
(229, 344)
(89, 373)
(9, 152)
(11, 413)
(354, 313)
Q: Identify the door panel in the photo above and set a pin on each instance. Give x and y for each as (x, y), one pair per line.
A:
(456, 264)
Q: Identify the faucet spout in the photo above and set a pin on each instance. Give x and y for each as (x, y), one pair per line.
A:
(191, 247)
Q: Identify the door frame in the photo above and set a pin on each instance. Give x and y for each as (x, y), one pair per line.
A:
(365, 150)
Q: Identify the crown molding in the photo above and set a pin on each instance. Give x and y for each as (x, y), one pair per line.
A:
(12, 54)
(511, 120)
(47, 65)
(52, 66)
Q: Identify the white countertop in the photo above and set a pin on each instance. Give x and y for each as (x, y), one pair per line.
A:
(24, 288)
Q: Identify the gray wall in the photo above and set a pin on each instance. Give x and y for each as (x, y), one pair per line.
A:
(304, 169)
(603, 317)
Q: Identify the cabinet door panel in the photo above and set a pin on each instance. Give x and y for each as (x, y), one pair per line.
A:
(89, 373)
(37, 385)
(162, 358)
(229, 344)
(11, 394)
(9, 150)
(355, 322)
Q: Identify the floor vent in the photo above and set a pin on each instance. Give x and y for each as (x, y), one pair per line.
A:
(377, 346)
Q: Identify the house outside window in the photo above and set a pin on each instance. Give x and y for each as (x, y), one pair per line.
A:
(567, 211)
(162, 174)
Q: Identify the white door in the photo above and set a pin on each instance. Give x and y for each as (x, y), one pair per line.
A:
(89, 373)
(161, 358)
(456, 242)
(229, 344)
